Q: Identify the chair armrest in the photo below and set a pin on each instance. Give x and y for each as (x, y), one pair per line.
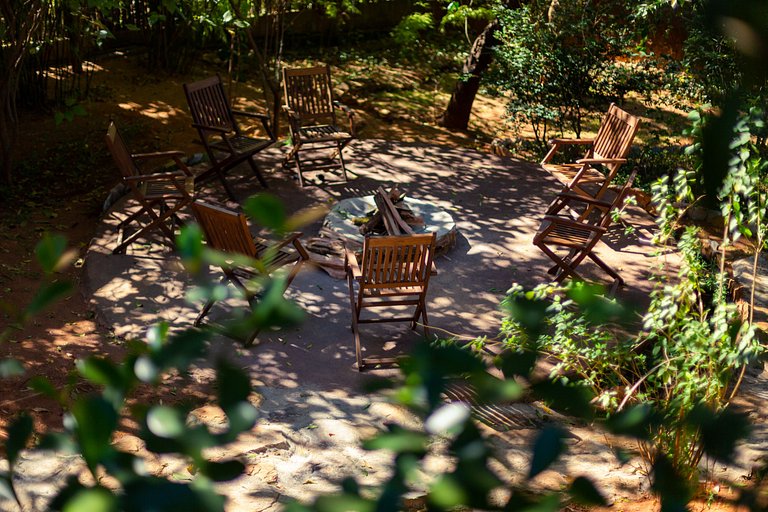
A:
(561, 142)
(557, 219)
(601, 161)
(556, 143)
(258, 115)
(351, 265)
(157, 154)
(173, 155)
(156, 176)
(210, 128)
(583, 199)
(350, 115)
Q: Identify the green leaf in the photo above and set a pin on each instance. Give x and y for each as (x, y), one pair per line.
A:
(547, 448)
(6, 488)
(49, 251)
(266, 210)
(232, 383)
(346, 502)
(514, 364)
(46, 295)
(58, 442)
(189, 245)
(164, 495)
(105, 373)
(584, 492)
(669, 485)
(223, 471)
(166, 422)
(398, 440)
(447, 492)
(720, 432)
(44, 386)
(18, 433)
(10, 368)
(95, 420)
(94, 499)
(634, 422)
(571, 399)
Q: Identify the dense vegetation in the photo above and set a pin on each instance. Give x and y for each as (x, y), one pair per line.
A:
(668, 386)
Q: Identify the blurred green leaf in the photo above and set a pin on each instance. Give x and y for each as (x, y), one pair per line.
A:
(547, 447)
(189, 245)
(223, 471)
(584, 492)
(10, 368)
(398, 440)
(6, 488)
(232, 384)
(720, 432)
(43, 385)
(669, 485)
(94, 499)
(514, 364)
(18, 434)
(164, 421)
(167, 496)
(96, 420)
(529, 312)
(267, 210)
(574, 400)
(635, 421)
(49, 251)
(46, 295)
(344, 502)
(104, 373)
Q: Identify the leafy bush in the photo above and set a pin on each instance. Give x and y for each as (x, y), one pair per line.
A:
(554, 72)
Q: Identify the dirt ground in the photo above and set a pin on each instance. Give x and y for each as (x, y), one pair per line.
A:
(65, 176)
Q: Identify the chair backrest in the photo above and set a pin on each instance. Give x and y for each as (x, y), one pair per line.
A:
(309, 93)
(225, 230)
(397, 261)
(615, 135)
(209, 105)
(120, 153)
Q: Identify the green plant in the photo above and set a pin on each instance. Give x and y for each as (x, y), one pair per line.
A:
(555, 61)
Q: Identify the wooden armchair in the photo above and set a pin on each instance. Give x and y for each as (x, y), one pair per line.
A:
(608, 150)
(228, 232)
(310, 107)
(578, 236)
(161, 194)
(220, 133)
(395, 272)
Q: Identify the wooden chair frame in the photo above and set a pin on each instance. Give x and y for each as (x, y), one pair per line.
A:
(227, 231)
(579, 236)
(395, 272)
(219, 131)
(309, 104)
(608, 149)
(152, 190)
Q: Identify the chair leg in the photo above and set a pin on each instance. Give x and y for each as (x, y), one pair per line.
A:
(156, 222)
(426, 320)
(207, 307)
(297, 159)
(354, 325)
(341, 160)
(257, 172)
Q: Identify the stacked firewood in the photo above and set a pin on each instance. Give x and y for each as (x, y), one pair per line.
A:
(376, 226)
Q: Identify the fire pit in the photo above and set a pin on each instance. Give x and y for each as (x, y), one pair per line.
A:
(346, 217)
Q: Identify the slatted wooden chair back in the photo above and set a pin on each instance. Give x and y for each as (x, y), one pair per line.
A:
(394, 262)
(615, 135)
(309, 92)
(120, 153)
(225, 230)
(209, 105)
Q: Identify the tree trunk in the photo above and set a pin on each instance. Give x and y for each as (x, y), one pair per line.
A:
(456, 115)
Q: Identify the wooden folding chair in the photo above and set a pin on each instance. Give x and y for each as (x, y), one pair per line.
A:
(228, 232)
(395, 272)
(310, 106)
(220, 133)
(161, 194)
(608, 150)
(578, 237)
